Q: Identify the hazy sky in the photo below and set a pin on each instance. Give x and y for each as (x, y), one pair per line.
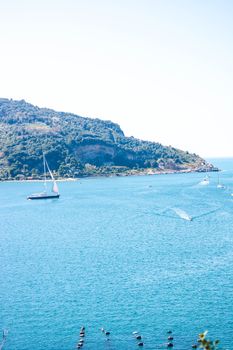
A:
(162, 69)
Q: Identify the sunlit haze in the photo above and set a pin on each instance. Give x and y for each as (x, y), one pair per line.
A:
(162, 69)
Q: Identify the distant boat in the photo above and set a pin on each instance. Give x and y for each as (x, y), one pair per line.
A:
(45, 194)
(219, 185)
(182, 214)
(205, 181)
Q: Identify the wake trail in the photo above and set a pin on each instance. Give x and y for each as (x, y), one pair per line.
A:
(207, 213)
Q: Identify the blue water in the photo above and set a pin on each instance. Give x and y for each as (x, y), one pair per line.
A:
(114, 253)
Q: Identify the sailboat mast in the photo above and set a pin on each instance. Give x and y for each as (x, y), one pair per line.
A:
(45, 183)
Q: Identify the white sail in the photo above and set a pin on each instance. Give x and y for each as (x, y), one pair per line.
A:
(49, 170)
(55, 187)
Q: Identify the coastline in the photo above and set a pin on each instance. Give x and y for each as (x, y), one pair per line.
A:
(41, 180)
(145, 172)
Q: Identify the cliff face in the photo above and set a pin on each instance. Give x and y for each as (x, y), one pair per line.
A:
(96, 153)
(77, 146)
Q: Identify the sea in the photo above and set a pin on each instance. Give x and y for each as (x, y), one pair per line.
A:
(147, 254)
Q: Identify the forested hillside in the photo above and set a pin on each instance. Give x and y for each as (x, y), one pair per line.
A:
(75, 146)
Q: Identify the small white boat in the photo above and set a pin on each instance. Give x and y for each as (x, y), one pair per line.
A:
(45, 194)
(182, 214)
(219, 185)
(205, 181)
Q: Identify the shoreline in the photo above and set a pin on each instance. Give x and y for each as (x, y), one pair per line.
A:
(149, 172)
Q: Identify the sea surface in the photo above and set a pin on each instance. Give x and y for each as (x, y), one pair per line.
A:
(118, 253)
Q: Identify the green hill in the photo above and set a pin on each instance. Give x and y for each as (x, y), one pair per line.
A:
(77, 146)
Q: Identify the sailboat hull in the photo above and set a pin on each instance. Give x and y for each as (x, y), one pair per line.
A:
(43, 196)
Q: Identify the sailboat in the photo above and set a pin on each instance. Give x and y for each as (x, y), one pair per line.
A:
(205, 181)
(219, 185)
(45, 194)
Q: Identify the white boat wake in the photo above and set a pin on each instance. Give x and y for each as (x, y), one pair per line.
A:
(168, 212)
(182, 214)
